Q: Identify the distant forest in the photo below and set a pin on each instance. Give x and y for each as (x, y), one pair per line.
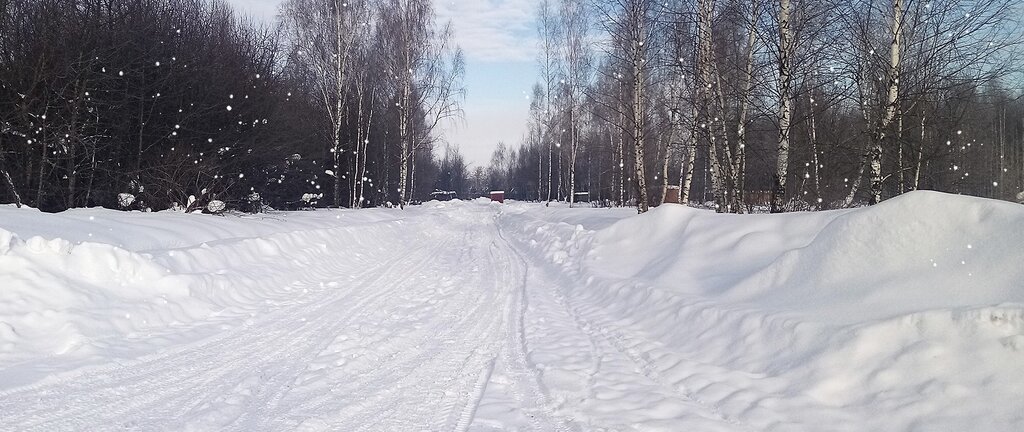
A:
(156, 104)
(780, 105)
(735, 105)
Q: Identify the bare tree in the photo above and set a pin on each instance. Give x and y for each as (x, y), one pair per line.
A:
(632, 26)
(576, 59)
(426, 69)
(707, 99)
(323, 35)
(785, 110)
(930, 48)
(549, 37)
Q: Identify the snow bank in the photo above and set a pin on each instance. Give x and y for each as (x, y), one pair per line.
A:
(77, 282)
(918, 252)
(908, 315)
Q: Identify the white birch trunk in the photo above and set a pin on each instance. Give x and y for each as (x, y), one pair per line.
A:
(920, 157)
(686, 168)
(892, 99)
(707, 97)
(785, 106)
(639, 122)
(741, 125)
(814, 154)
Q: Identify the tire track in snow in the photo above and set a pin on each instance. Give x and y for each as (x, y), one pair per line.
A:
(400, 391)
(526, 382)
(158, 387)
(272, 394)
(602, 330)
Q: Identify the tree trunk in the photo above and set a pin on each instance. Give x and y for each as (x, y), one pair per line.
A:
(412, 175)
(638, 126)
(741, 127)
(540, 169)
(92, 173)
(573, 148)
(363, 154)
(715, 168)
(892, 99)
(686, 169)
(72, 141)
(814, 155)
(899, 155)
(337, 175)
(705, 98)
(404, 137)
(920, 157)
(730, 181)
(43, 160)
(1002, 152)
(785, 107)
(664, 167)
(561, 180)
(7, 176)
(354, 179)
(340, 52)
(551, 167)
(856, 184)
(622, 155)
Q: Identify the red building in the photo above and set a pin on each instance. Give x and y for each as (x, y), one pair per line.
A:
(498, 196)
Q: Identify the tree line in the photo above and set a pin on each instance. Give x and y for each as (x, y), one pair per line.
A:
(781, 105)
(157, 104)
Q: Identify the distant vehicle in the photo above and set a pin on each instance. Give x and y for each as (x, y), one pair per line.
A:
(441, 195)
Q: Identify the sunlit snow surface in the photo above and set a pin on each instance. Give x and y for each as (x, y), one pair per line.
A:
(477, 316)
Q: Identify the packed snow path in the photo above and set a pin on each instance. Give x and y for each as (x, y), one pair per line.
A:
(414, 335)
(479, 317)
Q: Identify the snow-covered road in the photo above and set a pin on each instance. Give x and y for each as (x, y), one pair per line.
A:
(441, 321)
(403, 338)
(479, 317)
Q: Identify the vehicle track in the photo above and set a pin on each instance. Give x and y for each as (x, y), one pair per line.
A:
(153, 391)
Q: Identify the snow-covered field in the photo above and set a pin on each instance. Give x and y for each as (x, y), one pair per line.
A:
(906, 316)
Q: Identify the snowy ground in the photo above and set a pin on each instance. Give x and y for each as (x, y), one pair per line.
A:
(472, 316)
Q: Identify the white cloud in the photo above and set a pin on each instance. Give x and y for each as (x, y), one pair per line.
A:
(492, 30)
(262, 10)
(487, 30)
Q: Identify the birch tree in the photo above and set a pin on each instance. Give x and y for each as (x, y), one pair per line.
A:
(426, 70)
(925, 50)
(323, 35)
(575, 61)
(549, 38)
(785, 104)
(366, 96)
(706, 97)
(632, 27)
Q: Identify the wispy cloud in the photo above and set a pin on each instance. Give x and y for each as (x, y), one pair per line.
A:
(260, 10)
(492, 30)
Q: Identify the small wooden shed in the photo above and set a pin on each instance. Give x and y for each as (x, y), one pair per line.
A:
(498, 196)
(672, 194)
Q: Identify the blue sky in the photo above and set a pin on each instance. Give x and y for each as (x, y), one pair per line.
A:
(499, 40)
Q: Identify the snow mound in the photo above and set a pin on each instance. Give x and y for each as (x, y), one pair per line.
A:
(73, 283)
(916, 252)
(908, 315)
(48, 283)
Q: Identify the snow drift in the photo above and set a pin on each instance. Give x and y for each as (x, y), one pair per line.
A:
(79, 282)
(908, 315)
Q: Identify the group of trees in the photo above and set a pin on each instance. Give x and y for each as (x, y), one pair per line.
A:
(782, 104)
(152, 104)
